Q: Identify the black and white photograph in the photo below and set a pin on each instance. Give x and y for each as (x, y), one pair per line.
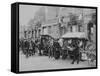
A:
(57, 37)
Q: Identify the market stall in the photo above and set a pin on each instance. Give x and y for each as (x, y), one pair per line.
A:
(70, 39)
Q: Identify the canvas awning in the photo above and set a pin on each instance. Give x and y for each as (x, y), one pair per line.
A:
(74, 35)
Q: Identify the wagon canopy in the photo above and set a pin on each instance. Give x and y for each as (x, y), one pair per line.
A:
(74, 35)
(46, 35)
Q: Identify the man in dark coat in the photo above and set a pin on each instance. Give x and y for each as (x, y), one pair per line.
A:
(40, 48)
(26, 47)
(56, 49)
(33, 47)
(76, 54)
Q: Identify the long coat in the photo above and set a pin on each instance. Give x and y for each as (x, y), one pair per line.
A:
(76, 51)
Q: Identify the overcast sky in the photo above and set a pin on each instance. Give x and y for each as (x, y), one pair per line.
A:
(27, 12)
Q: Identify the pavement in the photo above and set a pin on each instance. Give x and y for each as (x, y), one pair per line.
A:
(45, 63)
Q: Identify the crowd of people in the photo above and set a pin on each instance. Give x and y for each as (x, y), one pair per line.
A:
(53, 48)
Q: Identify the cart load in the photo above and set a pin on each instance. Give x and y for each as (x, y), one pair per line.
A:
(70, 40)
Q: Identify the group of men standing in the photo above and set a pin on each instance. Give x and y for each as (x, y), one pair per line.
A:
(51, 47)
(27, 47)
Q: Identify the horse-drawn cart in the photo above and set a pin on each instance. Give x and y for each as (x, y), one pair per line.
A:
(45, 42)
(70, 40)
(87, 49)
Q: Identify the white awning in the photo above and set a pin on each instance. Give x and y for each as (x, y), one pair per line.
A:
(74, 35)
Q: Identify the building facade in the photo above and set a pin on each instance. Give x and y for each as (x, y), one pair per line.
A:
(57, 21)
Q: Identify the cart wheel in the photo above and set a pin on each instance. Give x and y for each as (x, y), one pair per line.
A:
(64, 56)
(57, 55)
(71, 56)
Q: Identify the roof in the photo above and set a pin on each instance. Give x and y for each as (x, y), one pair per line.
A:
(74, 35)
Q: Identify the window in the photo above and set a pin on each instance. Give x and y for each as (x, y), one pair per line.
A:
(49, 29)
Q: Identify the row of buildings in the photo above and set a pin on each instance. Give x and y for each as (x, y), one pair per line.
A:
(57, 21)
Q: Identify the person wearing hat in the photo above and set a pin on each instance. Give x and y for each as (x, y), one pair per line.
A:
(76, 53)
